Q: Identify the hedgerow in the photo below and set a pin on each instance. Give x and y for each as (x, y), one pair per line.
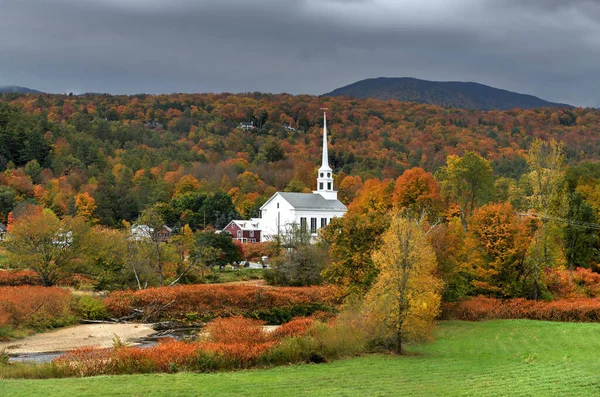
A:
(482, 308)
(205, 302)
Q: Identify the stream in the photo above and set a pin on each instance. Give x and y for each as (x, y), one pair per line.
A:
(188, 333)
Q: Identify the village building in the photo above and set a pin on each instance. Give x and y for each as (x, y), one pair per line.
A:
(143, 232)
(310, 211)
(244, 231)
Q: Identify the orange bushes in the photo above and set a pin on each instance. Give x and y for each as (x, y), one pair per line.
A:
(275, 305)
(34, 306)
(296, 327)
(13, 278)
(580, 282)
(481, 308)
(234, 342)
(236, 330)
(167, 356)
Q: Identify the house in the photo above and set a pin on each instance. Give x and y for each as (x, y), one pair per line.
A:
(2, 231)
(246, 125)
(244, 231)
(141, 232)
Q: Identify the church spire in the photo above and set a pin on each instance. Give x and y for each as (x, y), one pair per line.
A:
(325, 163)
(325, 176)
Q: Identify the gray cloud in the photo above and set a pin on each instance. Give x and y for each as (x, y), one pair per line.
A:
(549, 48)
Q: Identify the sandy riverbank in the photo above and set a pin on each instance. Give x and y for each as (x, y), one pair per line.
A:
(98, 335)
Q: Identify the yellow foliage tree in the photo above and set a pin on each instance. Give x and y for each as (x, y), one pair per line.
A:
(403, 303)
(85, 205)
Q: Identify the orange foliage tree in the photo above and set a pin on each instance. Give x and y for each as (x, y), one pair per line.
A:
(498, 241)
(416, 190)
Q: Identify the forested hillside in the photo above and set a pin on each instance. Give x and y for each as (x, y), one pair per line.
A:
(464, 95)
(116, 155)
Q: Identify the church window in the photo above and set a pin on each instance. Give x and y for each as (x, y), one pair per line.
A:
(313, 225)
(277, 205)
(328, 175)
(320, 185)
(323, 222)
(303, 224)
(328, 185)
(321, 175)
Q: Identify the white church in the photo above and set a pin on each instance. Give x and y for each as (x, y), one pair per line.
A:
(311, 211)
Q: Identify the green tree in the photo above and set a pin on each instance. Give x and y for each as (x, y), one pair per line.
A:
(467, 180)
(352, 240)
(51, 247)
(7, 201)
(548, 198)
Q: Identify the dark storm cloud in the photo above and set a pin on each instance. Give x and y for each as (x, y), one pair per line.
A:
(549, 48)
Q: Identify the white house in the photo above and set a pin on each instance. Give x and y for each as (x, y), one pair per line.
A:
(312, 211)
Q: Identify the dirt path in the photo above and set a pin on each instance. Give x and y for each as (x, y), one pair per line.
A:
(99, 335)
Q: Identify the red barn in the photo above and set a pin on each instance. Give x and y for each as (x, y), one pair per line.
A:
(244, 231)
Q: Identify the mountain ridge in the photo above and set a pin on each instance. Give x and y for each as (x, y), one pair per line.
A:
(18, 89)
(456, 94)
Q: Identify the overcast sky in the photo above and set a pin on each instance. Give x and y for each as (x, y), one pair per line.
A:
(548, 48)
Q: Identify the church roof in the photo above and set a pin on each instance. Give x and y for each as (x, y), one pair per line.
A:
(311, 201)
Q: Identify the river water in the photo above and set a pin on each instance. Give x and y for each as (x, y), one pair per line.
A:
(152, 340)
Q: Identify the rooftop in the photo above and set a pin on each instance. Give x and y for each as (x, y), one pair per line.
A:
(311, 201)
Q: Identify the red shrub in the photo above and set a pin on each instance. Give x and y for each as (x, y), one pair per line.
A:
(14, 278)
(296, 327)
(236, 330)
(580, 282)
(211, 300)
(481, 308)
(242, 354)
(34, 306)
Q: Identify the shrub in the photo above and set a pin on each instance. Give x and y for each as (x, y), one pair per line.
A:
(297, 327)
(35, 307)
(88, 307)
(15, 278)
(273, 305)
(236, 330)
(481, 308)
(580, 282)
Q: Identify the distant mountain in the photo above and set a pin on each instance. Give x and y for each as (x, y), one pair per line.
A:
(449, 94)
(17, 89)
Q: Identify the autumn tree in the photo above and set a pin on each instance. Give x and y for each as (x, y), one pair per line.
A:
(498, 243)
(352, 241)
(374, 198)
(39, 241)
(548, 198)
(416, 191)
(85, 206)
(105, 251)
(405, 299)
(467, 181)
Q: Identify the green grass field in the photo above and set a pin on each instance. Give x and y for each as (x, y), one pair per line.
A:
(498, 358)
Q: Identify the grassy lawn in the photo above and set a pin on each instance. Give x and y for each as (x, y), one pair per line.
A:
(501, 358)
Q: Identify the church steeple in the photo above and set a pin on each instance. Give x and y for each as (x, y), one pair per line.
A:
(325, 175)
